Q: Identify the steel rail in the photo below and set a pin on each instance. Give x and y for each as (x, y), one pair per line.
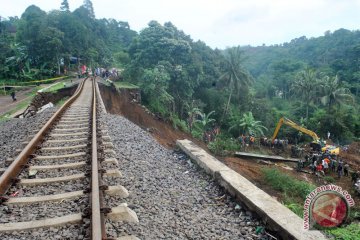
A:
(98, 231)
(11, 173)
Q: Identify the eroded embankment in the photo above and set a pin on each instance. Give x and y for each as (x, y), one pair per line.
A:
(123, 102)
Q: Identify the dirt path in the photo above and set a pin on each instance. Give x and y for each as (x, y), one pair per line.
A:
(6, 102)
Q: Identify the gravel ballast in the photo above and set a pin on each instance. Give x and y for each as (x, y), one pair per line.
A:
(172, 198)
(15, 131)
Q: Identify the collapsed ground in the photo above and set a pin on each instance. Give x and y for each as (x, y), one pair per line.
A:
(124, 104)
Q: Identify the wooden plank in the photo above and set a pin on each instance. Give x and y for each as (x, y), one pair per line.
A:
(40, 181)
(44, 223)
(52, 167)
(68, 134)
(45, 198)
(67, 141)
(70, 129)
(63, 148)
(269, 157)
(50, 157)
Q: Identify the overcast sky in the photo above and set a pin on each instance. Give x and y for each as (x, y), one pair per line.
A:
(221, 23)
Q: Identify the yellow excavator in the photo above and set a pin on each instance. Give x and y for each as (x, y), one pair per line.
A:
(316, 144)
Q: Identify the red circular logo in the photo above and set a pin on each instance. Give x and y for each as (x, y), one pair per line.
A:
(329, 209)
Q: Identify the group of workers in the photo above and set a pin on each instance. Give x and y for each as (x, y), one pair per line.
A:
(246, 140)
(322, 164)
(210, 134)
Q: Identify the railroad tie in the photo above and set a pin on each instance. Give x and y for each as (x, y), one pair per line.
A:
(53, 167)
(61, 126)
(67, 141)
(41, 181)
(44, 223)
(51, 157)
(68, 134)
(45, 198)
(70, 129)
(120, 191)
(74, 147)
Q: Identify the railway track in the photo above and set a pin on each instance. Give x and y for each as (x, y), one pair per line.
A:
(65, 184)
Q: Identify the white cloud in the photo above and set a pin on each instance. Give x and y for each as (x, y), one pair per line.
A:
(222, 23)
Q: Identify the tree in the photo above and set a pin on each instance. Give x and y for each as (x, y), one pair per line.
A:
(89, 6)
(205, 119)
(333, 93)
(304, 86)
(192, 114)
(249, 125)
(65, 6)
(235, 76)
(154, 85)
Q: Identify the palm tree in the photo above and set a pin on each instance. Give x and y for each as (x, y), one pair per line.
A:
(205, 119)
(249, 125)
(193, 113)
(332, 94)
(235, 75)
(305, 87)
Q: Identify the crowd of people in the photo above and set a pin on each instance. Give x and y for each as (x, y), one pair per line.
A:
(106, 73)
(277, 143)
(210, 134)
(322, 164)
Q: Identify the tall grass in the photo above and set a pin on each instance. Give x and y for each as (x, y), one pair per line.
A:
(350, 232)
(289, 186)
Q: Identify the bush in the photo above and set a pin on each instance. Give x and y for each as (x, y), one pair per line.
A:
(222, 146)
(329, 179)
(288, 185)
(196, 133)
(178, 123)
(296, 208)
(351, 231)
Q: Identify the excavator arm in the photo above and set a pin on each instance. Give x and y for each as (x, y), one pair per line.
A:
(290, 123)
(316, 144)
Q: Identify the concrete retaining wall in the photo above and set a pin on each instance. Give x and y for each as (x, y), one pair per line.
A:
(276, 216)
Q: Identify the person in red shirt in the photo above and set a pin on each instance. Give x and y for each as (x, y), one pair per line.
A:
(319, 169)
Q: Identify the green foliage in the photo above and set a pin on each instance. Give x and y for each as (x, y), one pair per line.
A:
(349, 232)
(55, 87)
(333, 93)
(329, 179)
(61, 102)
(305, 87)
(331, 85)
(235, 77)
(197, 133)
(297, 208)
(287, 184)
(43, 39)
(248, 125)
(65, 6)
(126, 85)
(173, 71)
(154, 85)
(205, 119)
(223, 145)
(178, 123)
